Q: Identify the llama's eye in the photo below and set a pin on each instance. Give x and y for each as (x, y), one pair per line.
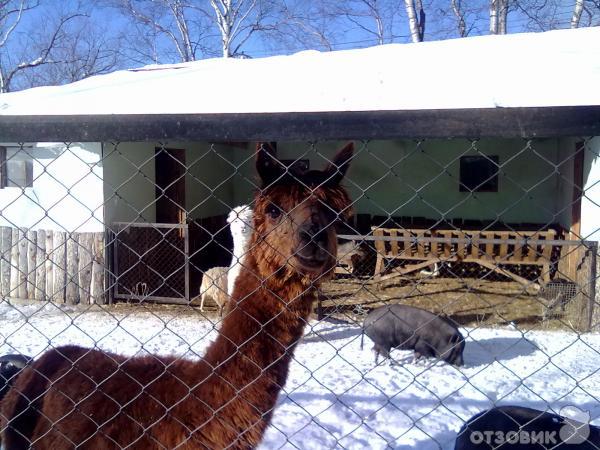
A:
(273, 211)
(331, 215)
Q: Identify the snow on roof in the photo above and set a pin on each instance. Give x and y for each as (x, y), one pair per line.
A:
(556, 68)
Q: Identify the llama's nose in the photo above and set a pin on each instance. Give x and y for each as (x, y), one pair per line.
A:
(314, 234)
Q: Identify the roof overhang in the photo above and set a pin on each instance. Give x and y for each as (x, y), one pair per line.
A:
(529, 122)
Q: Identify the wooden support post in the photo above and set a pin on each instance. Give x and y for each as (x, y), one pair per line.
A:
(447, 245)
(49, 265)
(40, 266)
(475, 245)
(547, 256)
(489, 247)
(503, 252)
(420, 246)
(319, 304)
(59, 264)
(394, 244)
(22, 268)
(580, 312)
(518, 250)
(31, 260)
(72, 279)
(5, 251)
(380, 249)
(98, 262)
(84, 270)
(14, 263)
(461, 247)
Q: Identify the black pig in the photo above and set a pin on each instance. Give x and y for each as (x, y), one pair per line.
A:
(10, 366)
(409, 328)
(520, 428)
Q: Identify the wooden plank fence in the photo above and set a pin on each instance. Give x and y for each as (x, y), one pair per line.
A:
(48, 265)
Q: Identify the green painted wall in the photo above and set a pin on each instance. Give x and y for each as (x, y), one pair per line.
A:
(129, 182)
(129, 187)
(398, 178)
(407, 178)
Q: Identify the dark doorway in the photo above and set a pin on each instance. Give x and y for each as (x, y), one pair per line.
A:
(170, 185)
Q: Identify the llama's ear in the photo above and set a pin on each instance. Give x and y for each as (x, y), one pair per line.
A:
(338, 167)
(267, 165)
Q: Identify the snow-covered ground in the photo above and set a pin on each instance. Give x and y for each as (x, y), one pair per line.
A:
(335, 396)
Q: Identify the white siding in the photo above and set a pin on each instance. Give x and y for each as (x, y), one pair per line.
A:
(67, 190)
(590, 204)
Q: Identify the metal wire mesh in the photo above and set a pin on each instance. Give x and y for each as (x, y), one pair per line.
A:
(108, 246)
(150, 262)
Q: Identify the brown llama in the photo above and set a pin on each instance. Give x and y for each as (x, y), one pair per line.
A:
(90, 399)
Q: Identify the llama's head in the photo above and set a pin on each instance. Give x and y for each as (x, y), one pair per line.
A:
(240, 221)
(295, 214)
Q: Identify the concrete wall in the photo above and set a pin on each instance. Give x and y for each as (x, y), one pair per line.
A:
(67, 189)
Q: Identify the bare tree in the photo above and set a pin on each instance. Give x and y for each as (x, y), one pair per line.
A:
(502, 16)
(543, 15)
(592, 11)
(11, 13)
(498, 16)
(375, 12)
(460, 17)
(416, 24)
(57, 43)
(188, 30)
(24, 55)
(298, 25)
(451, 18)
(84, 51)
(331, 24)
(376, 19)
(577, 10)
(494, 6)
(164, 25)
(237, 21)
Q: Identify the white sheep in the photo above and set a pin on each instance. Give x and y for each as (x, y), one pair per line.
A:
(214, 287)
(240, 221)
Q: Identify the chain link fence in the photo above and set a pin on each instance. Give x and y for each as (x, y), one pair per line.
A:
(105, 245)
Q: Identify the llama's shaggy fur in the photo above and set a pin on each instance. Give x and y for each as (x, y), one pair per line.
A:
(214, 287)
(240, 223)
(89, 399)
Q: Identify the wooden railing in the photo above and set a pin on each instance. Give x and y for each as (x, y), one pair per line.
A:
(490, 249)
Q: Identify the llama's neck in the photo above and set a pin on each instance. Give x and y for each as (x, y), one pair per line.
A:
(240, 247)
(240, 244)
(251, 356)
